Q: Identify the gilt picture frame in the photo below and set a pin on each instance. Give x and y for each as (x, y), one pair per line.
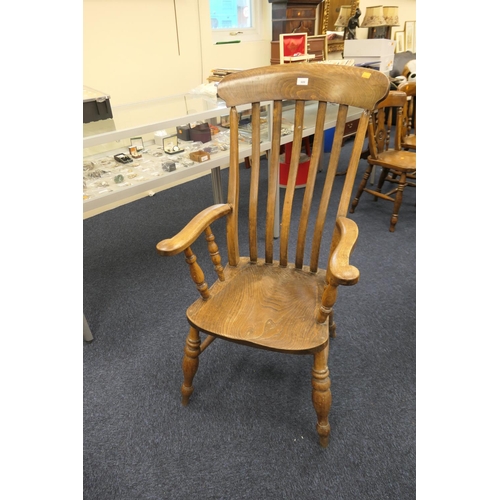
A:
(410, 36)
(399, 37)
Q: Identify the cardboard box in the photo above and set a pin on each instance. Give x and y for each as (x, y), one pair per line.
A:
(199, 156)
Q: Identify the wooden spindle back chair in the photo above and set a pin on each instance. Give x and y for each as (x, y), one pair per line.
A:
(258, 300)
(397, 165)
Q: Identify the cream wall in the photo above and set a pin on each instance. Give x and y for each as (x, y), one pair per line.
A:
(132, 52)
(130, 48)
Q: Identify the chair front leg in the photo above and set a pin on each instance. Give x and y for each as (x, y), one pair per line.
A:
(321, 394)
(190, 363)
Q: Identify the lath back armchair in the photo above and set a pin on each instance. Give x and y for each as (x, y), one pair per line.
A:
(275, 301)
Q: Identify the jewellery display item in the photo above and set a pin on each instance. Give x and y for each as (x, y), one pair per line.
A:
(171, 146)
(119, 178)
(185, 162)
(199, 156)
(201, 133)
(122, 158)
(134, 152)
(194, 146)
(88, 165)
(184, 133)
(106, 162)
(95, 174)
(157, 152)
(211, 149)
(168, 166)
(137, 142)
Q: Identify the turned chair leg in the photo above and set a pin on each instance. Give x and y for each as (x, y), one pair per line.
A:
(361, 188)
(190, 363)
(397, 201)
(321, 394)
(382, 178)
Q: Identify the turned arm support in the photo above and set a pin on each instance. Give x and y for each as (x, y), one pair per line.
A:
(339, 271)
(188, 235)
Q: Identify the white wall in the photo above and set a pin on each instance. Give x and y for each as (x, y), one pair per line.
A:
(130, 48)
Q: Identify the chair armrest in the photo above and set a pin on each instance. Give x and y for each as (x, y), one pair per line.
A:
(341, 272)
(185, 238)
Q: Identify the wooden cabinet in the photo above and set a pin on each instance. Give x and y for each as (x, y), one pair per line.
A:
(351, 128)
(293, 17)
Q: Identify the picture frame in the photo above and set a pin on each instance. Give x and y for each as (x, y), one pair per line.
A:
(399, 37)
(410, 36)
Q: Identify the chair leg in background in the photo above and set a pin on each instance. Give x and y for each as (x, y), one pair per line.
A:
(190, 363)
(397, 202)
(361, 188)
(381, 180)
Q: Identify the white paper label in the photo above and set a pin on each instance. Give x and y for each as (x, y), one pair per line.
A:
(302, 81)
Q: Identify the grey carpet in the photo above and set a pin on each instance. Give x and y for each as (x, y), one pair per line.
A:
(249, 430)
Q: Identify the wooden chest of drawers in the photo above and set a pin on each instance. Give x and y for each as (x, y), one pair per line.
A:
(293, 17)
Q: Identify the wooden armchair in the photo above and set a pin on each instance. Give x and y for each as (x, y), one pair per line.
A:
(259, 301)
(398, 166)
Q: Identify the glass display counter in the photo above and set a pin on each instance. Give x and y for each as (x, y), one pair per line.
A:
(108, 183)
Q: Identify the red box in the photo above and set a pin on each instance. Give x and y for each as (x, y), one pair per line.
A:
(302, 172)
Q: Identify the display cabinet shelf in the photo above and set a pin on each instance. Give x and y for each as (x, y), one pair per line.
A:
(146, 117)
